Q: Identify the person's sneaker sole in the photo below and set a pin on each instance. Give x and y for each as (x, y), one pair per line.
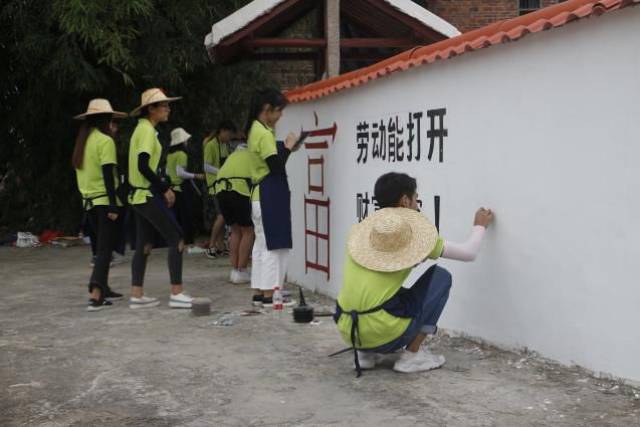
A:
(146, 305)
(176, 304)
(436, 363)
(92, 309)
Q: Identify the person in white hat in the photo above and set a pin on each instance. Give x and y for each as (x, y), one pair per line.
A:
(180, 178)
(95, 161)
(374, 313)
(151, 198)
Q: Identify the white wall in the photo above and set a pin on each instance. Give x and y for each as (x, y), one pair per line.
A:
(546, 132)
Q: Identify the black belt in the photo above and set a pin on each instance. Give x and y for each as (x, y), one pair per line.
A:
(227, 182)
(133, 189)
(87, 204)
(88, 201)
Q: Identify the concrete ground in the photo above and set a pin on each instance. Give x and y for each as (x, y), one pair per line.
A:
(62, 366)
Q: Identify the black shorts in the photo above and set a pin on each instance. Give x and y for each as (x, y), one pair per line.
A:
(235, 208)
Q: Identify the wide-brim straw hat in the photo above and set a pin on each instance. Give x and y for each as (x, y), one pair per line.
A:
(100, 106)
(178, 136)
(392, 239)
(152, 96)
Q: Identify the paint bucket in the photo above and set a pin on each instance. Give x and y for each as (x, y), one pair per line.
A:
(201, 306)
(302, 313)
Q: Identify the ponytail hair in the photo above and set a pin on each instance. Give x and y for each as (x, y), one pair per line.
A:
(270, 96)
(99, 121)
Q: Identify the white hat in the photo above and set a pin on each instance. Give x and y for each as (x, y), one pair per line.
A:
(178, 136)
(392, 239)
(100, 106)
(152, 96)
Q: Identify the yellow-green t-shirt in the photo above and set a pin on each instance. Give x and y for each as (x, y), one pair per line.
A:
(143, 140)
(239, 165)
(99, 150)
(262, 142)
(213, 154)
(177, 158)
(364, 289)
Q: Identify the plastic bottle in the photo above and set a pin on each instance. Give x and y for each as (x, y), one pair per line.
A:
(278, 302)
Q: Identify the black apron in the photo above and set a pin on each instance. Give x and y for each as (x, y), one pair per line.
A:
(275, 203)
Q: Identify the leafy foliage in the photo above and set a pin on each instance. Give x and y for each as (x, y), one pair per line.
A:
(57, 55)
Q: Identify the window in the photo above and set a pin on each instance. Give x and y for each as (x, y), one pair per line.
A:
(528, 6)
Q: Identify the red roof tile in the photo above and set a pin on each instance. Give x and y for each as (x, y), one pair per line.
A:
(497, 33)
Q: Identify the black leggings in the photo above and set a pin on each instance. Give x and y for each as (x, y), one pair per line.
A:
(151, 216)
(105, 234)
(184, 214)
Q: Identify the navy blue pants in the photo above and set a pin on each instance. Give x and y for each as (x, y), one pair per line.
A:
(423, 302)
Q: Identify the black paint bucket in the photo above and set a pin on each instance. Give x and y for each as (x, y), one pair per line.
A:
(302, 313)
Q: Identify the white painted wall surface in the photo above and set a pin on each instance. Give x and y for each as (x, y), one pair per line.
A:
(546, 132)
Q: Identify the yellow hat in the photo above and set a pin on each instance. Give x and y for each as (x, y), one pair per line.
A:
(392, 239)
(152, 96)
(100, 106)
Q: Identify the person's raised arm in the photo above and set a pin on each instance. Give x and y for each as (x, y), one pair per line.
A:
(277, 162)
(208, 168)
(468, 250)
(182, 173)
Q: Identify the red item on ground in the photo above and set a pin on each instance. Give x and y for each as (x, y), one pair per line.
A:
(48, 235)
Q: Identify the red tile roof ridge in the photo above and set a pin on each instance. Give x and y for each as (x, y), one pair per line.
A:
(493, 34)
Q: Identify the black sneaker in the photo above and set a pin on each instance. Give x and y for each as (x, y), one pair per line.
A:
(111, 295)
(95, 305)
(267, 301)
(211, 253)
(257, 300)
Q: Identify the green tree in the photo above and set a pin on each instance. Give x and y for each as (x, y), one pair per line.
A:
(59, 54)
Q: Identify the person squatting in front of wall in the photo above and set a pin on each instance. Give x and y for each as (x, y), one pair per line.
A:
(375, 314)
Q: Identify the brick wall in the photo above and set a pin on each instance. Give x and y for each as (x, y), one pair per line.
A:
(466, 15)
(290, 74)
(469, 15)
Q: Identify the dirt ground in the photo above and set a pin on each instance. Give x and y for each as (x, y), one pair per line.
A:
(62, 366)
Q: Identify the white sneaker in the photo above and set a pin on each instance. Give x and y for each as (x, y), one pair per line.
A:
(242, 277)
(116, 259)
(370, 360)
(181, 300)
(367, 360)
(233, 275)
(422, 360)
(143, 302)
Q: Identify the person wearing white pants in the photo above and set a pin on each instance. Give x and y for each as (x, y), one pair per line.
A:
(269, 268)
(270, 197)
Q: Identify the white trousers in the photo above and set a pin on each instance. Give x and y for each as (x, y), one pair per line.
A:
(268, 268)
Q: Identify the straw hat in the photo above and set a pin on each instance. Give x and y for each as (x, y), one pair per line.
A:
(178, 136)
(392, 239)
(100, 106)
(152, 96)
